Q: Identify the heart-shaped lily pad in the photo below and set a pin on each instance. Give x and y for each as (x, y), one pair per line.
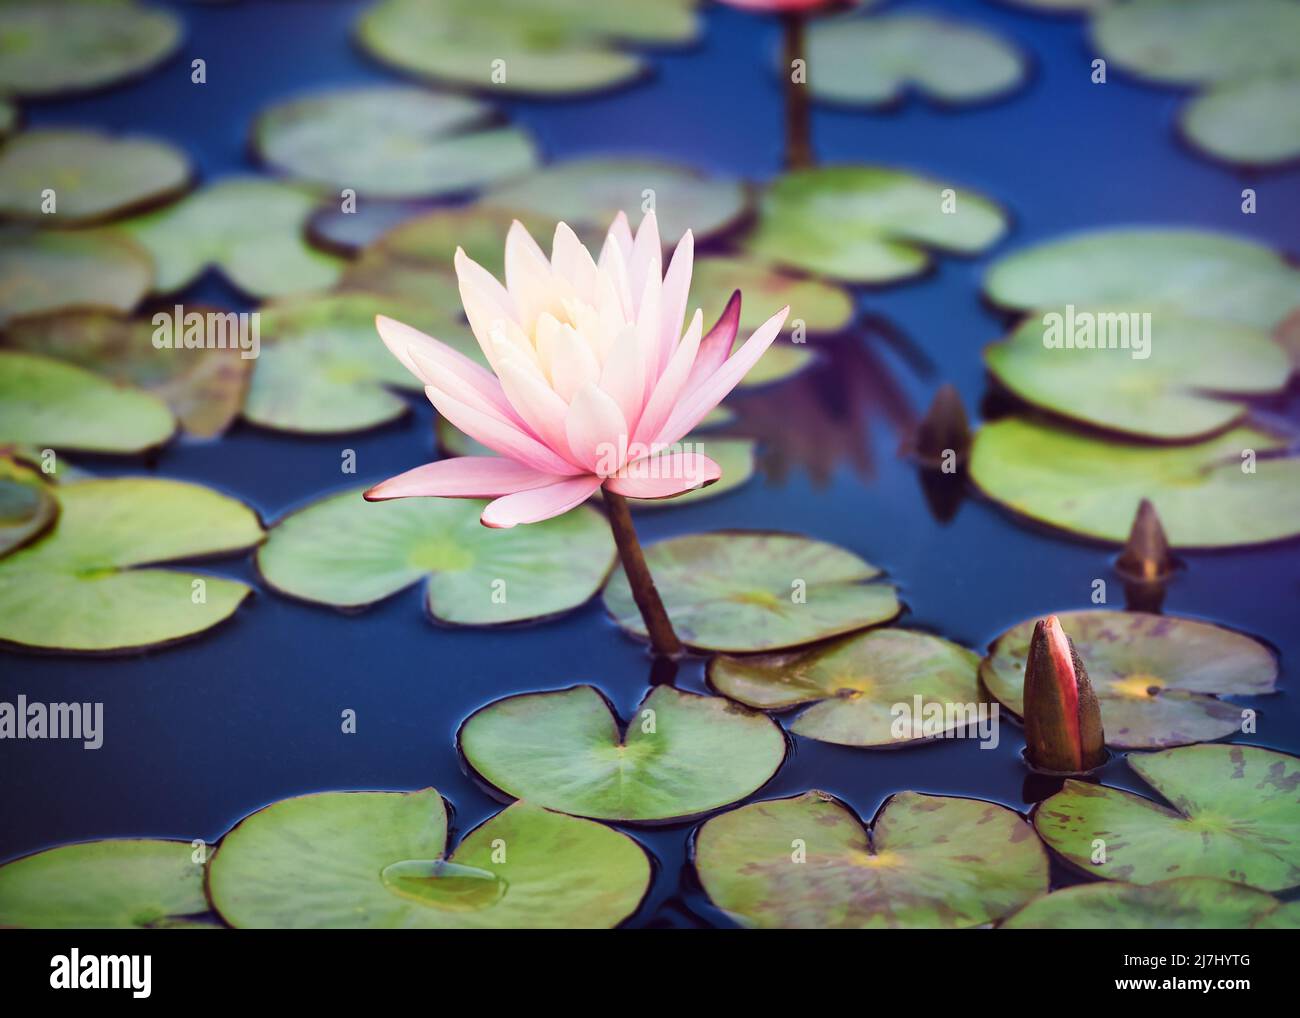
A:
(1255, 121)
(249, 228)
(1185, 903)
(1226, 491)
(93, 175)
(756, 590)
(1234, 815)
(46, 402)
(52, 48)
(819, 306)
(681, 755)
(929, 861)
(51, 270)
(203, 386)
(1163, 376)
(27, 507)
(76, 589)
(563, 47)
(1202, 274)
(853, 686)
(874, 61)
(323, 370)
(588, 193)
(391, 141)
(1157, 678)
(117, 884)
(377, 860)
(475, 575)
(869, 224)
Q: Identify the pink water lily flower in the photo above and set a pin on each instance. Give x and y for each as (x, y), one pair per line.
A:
(593, 381)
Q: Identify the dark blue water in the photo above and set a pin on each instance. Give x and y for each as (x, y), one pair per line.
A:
(199, 735)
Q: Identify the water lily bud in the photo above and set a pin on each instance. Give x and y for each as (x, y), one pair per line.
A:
(944, 430)
(1062, 717)
(1146, 555)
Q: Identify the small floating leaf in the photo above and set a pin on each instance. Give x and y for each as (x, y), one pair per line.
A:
(375, 860)
(681, 755)
(851, 686)
(27, 506)
(821, 307)
(756, 590)
(76, 589)
(1255, 122)
(474, 575)
(1157, 678)
(1093, 486)
(391, 141)
(50, 270)
(1185, 903)
(1235, 816)
(931, 861)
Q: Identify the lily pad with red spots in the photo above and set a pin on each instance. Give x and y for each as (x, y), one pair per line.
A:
(1184, 903)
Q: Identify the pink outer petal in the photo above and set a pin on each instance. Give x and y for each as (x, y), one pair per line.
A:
(664, 397)
(716, 344)
(435, 363)
(665, 475)
(462, 477)
(498, 434)
(539, 504)
(672, 300)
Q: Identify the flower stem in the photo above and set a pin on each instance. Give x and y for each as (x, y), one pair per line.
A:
(798, 133)
(662, 638)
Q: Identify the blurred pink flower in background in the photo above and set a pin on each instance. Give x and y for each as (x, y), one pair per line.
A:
(592, 378)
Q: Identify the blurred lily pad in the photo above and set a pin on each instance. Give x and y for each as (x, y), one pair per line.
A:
(45, 402)
(681, 754)
(116, 884)
(474, 575)
(868, 224)
(1174, 381)
(249, 228)
(27, 507)
(1202, 274)
(563, 47)
(1185, 903)
(756, 590)
(93, 175)
(51, 270)
(56, 47)
(1255, 122)
(820, 306)
(588, 193)
(8, 118)
(1157, 677)
(1234, 816)
(348, 232)
(204, 386)
(874, 61)
(392, 141)
(930, 861)
(1205, 493)
(77, 588)
(851, 686)
(414, 284)
(378, 860)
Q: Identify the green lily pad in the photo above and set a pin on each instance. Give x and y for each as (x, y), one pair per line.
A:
(93, 175)
(851, 686)
(429, 241)
(76, 589)
(821, 307)
(249, 228)
(475, 575)
(930, 861)
(375, 860)
(588, 193)
(348, 232)
(49, 270)
(27, 507)
(414, 284)
(1255, 122)
(561, 48)
(1202, 274)
(1174, 381)
(868, 224)
(117, 884)
(392, 141)
(54, 48)
(874, 61)
(46, 402)
(1234, 815)
(9, 118)
(756, 590)
(1186, 42)
(1284, 917)
(204, 387)
(681, 754)
(322, 367)
(1092, 485)
(1157, 678)
(1185, 903)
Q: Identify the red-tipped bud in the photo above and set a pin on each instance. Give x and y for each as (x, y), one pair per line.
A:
(1062, 717)
(1146, 555)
